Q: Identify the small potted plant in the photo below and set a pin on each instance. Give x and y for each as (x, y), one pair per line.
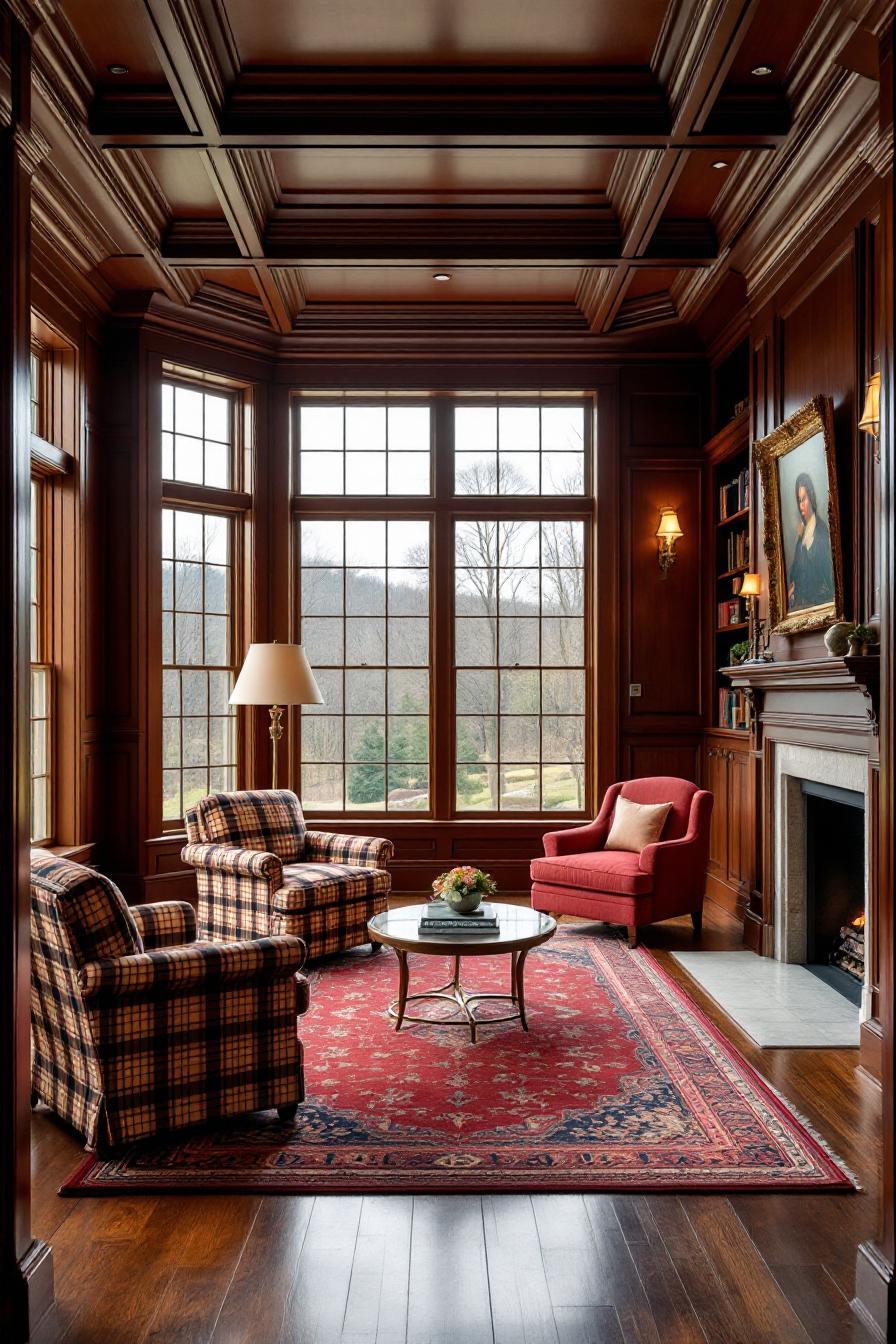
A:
(463, 888)
(862, 639)
(740, 651)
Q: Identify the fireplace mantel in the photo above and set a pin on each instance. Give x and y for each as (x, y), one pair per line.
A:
(838, 694)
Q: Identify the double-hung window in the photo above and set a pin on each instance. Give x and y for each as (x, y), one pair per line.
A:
(443, 587)
(199, 552)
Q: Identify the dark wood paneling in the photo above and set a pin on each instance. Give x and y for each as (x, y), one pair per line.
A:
(663, 418)
(662, 618)
(644, 757)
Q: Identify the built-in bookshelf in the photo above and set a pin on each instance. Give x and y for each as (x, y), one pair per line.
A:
(731, 505)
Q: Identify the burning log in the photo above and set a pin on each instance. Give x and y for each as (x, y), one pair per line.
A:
(849, 948)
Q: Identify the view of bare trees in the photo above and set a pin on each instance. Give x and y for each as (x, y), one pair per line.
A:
(198, 738)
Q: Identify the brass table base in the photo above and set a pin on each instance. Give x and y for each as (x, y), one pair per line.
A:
(453, 992)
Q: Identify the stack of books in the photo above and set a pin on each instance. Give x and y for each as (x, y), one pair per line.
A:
(438, 917)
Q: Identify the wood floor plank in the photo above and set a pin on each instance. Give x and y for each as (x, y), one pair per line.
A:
(673, 1313)
(823, 1310)
(588, 1325)
(706, 1292)
(202, 1260)
(448, 1300)
(744, 1274)
(522, 1311)
(315, 1309)
(377, 1308)
(256, 1299)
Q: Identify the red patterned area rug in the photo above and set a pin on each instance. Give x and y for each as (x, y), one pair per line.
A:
(621, 1083)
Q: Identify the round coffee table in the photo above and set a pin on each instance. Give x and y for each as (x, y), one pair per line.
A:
(519, 929)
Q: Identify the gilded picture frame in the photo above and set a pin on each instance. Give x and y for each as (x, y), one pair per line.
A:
(797, 468)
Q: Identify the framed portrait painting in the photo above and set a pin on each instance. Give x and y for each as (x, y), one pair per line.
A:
(802, 520)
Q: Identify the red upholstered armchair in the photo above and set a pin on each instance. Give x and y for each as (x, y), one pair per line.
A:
(578, 876)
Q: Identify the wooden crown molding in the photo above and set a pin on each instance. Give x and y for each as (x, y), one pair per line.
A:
(32, 13)
(647, 310)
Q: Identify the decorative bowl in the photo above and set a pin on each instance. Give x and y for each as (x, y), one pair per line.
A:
(462, 902)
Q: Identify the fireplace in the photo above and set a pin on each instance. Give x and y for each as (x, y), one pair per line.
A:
(835, 886)
(820, 855)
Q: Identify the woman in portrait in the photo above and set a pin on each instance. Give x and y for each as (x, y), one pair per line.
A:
(810, 579)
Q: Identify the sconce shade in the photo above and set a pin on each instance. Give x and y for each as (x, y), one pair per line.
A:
(276, 674)
(751, 586)
(870, 421)
(669, 528)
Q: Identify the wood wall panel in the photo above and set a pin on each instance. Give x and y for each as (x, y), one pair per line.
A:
(663, 613)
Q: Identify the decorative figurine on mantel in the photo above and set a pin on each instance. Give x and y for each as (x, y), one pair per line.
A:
(836, 639)
(750, 588)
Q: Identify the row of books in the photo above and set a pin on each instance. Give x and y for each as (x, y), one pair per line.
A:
(438, 917)
(733, 611)
(735, 495)
(737, 550)
(734, 710)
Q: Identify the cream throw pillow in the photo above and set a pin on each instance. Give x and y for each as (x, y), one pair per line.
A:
(636, 825)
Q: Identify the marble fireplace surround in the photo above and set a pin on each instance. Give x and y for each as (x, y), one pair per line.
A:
(794, 763)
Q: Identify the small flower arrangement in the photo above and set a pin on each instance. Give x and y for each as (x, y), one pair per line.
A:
(465, 880)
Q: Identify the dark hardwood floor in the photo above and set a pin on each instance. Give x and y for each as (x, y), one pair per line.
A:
(564, 1269)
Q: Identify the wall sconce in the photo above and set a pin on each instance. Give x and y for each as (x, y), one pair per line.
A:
(667, 534)
(750, 588)
(870, 421)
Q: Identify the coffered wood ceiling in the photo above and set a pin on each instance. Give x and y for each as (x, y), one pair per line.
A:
(289, 157)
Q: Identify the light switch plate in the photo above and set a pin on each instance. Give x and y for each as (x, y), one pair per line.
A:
(634, 688)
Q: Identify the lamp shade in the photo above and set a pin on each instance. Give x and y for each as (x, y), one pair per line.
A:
(276, 674)
(870, 421)
(669, 527)
(751, 586)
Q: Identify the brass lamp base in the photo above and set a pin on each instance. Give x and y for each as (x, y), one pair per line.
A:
(276, 731)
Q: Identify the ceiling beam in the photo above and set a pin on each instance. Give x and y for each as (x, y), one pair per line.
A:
(516, 107)
(408, 237)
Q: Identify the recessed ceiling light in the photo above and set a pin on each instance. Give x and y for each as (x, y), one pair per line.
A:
(441, 275)
(720, 163)
(760, 71)
(118, 69)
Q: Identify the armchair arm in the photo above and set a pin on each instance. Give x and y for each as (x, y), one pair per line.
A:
(365, 851)
(577, 839)
(165, 924)
(189, 970)
(246, 862)
(685, 857)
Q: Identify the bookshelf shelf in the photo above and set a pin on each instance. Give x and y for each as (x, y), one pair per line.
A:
(739, 516)
(731, 520)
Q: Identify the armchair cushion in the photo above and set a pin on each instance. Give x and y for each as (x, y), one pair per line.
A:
(365, 851)
(97, 920)
(308, 886)
(636, 825)
(268, 819)
(200, 967)
(616, 871)
(165, 924)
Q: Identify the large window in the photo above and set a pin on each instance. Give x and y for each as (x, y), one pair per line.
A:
(449, 634)
(201, 513)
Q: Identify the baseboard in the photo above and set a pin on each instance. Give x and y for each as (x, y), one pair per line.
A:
(30, 1310)
(874, 1302)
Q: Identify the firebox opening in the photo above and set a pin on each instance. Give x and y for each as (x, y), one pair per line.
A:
(835, 887)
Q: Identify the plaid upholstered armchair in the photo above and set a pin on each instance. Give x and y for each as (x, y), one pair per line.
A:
(260, 871)
(137, 1029)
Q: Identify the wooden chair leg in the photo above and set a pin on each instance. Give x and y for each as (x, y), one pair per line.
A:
(289, 1111)
(697, 921)
(374, 948)
(632, 935)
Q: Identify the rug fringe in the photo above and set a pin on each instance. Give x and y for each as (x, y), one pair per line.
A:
(816, 1136)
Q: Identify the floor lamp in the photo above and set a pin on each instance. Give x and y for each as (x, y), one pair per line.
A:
(276, 675)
